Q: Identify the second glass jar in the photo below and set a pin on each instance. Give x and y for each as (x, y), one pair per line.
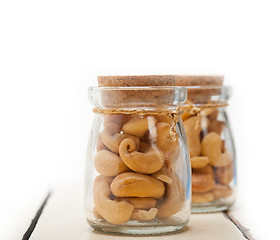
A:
(210, 143)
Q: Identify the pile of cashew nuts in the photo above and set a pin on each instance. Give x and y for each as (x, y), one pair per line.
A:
(212, 164)
(134, 158)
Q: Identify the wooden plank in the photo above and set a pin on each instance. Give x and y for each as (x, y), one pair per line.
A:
(63, 218)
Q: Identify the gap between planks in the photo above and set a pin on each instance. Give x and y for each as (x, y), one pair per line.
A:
(35, 220)
(245, 231)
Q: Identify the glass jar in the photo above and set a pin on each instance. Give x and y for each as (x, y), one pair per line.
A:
(138, 175)
(210, 142)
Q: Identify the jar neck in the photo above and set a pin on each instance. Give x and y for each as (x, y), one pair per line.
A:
(175, 115)
(194, 108)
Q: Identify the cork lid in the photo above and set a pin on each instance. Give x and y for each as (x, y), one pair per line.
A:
(200, 80)
(140, 90)
(136, 81)
(202, 88)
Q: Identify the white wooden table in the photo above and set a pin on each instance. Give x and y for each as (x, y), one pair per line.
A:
(61, 217)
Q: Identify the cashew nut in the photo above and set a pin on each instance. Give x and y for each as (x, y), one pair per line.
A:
(99, 144)
(163, 138)
(161, 118)
(223, 147)
(193, 129)
(148, 162)
(112, 138)
(202, 197)
(117, 119)
(138, 126)
(144, 146)
(130, 184)
(199, 162)
(225, 159)
(174, 198)
(216, 126)
(221, 191)
(139, 203)
(213, 115)
(165, 142)
(96, 214)
(162, 175)
(202, 183)
(224, 175)
(205, 170)
(112, 211)
(143, 215)
(186, 115)
(211, 147)
(109, 164)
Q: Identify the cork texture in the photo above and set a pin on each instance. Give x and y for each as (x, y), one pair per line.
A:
(210, 86)
(136, 97)
(137, 81)
(199, 80)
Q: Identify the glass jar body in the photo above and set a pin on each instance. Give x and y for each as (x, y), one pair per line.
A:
(138, 177)
(213, 159)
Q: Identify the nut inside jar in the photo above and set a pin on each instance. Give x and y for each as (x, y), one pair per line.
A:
(212, 163)
(136, 159)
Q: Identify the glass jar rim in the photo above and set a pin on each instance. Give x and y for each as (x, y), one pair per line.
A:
(222, 92)
(218, 93)
(169, 96)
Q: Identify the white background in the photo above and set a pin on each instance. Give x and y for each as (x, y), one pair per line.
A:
(51, 52)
